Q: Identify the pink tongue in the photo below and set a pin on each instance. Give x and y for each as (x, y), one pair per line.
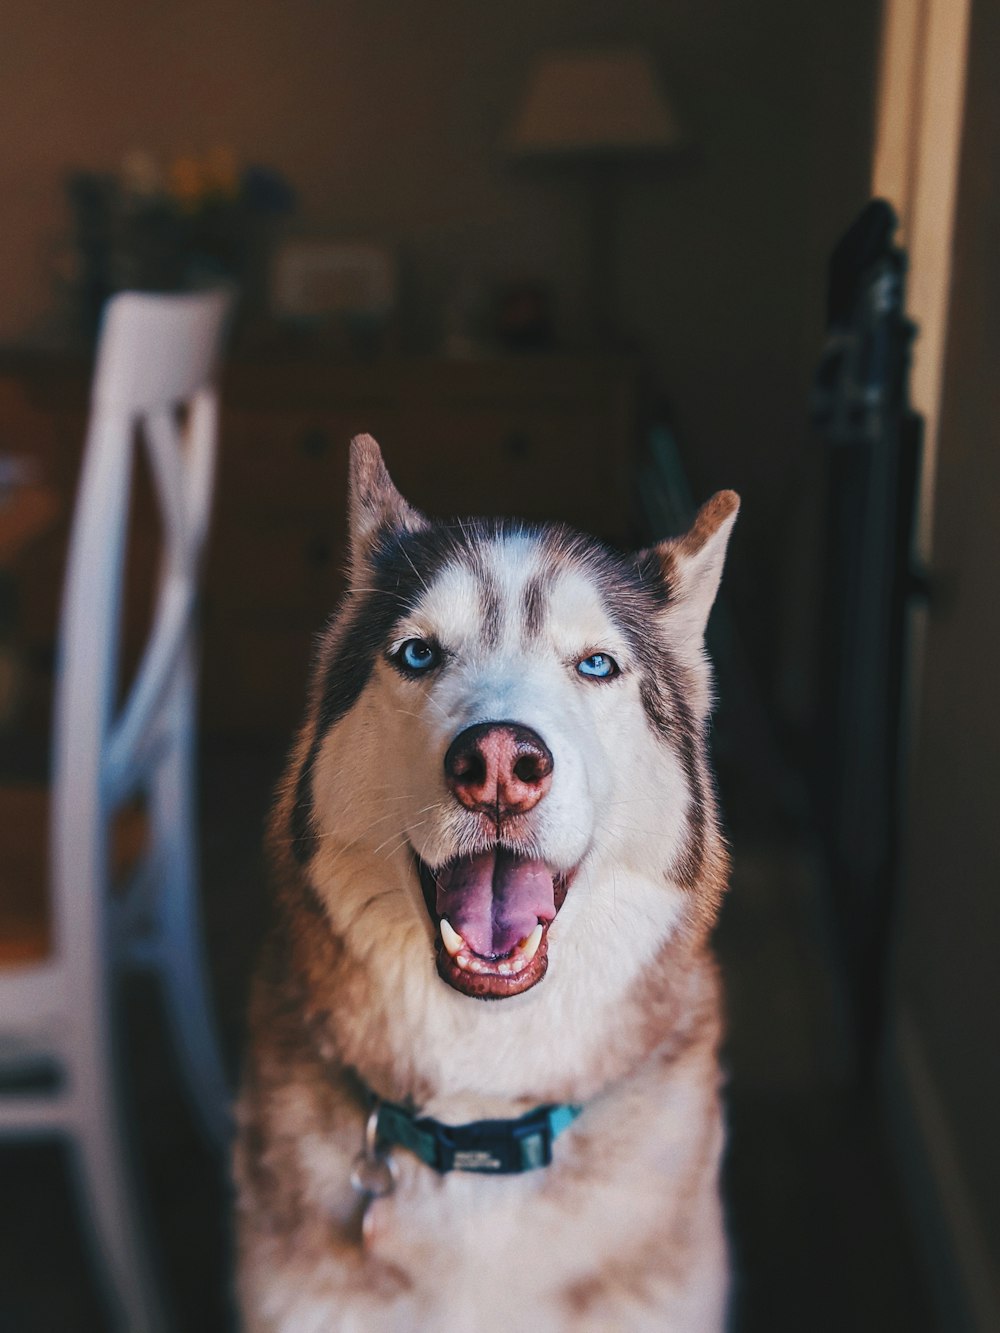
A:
(495, 900)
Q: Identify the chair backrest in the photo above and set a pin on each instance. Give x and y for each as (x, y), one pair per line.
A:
(153, 383)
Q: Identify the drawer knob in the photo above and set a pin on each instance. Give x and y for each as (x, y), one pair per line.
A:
(517, 444)
(314, 443)
(317, 552)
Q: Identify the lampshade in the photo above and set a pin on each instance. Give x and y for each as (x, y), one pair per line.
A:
(593, 103)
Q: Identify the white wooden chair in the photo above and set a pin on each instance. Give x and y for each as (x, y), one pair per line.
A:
(153, 382)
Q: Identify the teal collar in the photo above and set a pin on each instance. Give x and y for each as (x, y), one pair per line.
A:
(495, 1147)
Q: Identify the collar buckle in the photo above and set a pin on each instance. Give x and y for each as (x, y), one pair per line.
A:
(494, 1147)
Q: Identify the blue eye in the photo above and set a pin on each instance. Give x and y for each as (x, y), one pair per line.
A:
(599, 666)
(417, 655)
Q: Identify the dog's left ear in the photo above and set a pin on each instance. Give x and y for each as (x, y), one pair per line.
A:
(691, 566)
(374, 502)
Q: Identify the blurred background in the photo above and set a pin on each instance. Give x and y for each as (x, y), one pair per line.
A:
(564, 260)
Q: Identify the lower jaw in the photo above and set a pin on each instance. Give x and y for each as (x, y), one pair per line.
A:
(481, 978)
(489, 983)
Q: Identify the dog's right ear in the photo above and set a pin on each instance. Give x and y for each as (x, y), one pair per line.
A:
(374, 502)
(691, 566)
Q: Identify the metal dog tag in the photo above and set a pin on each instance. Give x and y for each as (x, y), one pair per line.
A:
(373, 1176)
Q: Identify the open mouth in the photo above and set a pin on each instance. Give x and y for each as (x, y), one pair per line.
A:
(492, 913)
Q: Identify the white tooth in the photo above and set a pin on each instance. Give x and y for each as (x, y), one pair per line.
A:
(463, 961)
(450, 937)
(530, 946)
(504, 969)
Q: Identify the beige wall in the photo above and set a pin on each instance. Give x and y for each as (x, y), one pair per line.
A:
(385, 115)
(947, 993)
(921, 104)
(947, 999)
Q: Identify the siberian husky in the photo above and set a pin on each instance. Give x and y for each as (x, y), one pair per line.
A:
(482, 1085)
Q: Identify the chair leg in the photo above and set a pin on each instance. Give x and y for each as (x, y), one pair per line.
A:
(192, 1028)
(110, 1206)
(182, 970)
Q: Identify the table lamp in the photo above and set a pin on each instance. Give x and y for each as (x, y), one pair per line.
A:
(597, 111)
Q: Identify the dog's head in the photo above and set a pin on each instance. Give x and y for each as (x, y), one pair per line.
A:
(504, 718)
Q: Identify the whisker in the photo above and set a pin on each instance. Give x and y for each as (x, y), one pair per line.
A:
(419, 824)
(420, 577)
(399, 846)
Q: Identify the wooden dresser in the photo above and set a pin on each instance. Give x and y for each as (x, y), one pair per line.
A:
(536, 437)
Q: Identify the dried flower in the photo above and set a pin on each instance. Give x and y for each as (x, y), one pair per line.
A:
(186, 182)
(141, 174)
(220, 173)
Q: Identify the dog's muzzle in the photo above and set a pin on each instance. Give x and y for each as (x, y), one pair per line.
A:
(492, 907)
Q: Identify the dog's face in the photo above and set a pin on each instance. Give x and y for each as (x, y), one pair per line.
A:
(507, 718)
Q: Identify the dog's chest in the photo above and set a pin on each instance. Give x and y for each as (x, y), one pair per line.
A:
(472, 1245)
(619, 1187)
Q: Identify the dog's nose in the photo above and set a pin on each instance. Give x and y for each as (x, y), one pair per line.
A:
(499, 767)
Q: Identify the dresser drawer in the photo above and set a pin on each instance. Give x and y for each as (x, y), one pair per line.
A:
(253, 675)
(521, 463)
(278, 562)
(296, 459)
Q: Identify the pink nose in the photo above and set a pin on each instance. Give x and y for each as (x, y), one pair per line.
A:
(499, 768)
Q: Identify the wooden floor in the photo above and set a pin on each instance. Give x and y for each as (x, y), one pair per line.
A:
(819, 1238)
